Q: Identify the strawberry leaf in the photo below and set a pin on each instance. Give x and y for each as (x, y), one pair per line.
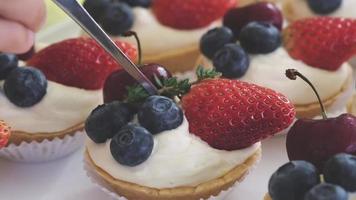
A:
(136, 94)
(203, 73)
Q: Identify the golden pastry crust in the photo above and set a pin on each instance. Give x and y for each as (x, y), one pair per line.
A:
(292, 12)
(179, 60)
(203, 191)
(267, 197)
(17, 137)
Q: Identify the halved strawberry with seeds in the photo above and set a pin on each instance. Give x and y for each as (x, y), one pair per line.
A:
(79, 62)
(321, 42)
(231, 114)
(190, 14)
(4, 134)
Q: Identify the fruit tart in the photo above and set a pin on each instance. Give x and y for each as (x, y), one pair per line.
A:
(169, 30)
(47, 101)
(328, 150)
(315, 47)
(192, 141)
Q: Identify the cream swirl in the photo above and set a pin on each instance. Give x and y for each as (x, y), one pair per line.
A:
(61, 108)
(178, 159)
(268, 71)
(157, 38)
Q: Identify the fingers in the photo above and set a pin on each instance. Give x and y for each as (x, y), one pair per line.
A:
(30, 13)
(14, 37)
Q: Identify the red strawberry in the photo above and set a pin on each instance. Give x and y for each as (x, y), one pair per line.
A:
(79, 62)
(322, 42)
(190, 14)
(231, 114)
(4, 134)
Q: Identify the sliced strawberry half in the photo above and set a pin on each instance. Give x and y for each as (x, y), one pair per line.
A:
(190, 14)
(321, 42)
(79, 62)
(5, 132)
(231, 114)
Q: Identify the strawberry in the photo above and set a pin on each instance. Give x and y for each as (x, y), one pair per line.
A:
(321, 42)
(4, 134)
(231, 114)
(190, 14)
(79, 62)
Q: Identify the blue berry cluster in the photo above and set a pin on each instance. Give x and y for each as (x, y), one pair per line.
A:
(115, 17)
(132, 143)
(300, 180)
(23, 86)
(231, 58)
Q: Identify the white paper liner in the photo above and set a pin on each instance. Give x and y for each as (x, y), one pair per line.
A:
(44, 151)
(97, 180)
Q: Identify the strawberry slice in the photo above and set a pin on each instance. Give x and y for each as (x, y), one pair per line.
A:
(190, 14)
(321, 42)
(5, 132)
(231, 114)
(79, 62)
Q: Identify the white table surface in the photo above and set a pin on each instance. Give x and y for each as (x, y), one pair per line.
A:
(65, 179)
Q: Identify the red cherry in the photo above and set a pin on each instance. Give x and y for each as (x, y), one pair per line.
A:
(237, 18)
(318, 140)
(116, 84)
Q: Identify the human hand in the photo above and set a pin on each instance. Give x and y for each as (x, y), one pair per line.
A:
(19, 20)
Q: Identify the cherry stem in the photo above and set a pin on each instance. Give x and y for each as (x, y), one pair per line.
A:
(133, 33)
(293, 74)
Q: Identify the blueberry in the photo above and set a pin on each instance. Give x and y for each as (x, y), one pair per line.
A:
(326, 191)
(132, 145)
(118, 18)
(232, 61)
(260, 38)
(293, 180)
(139, 3)
(341, 170)
(324, 6)
(8, 62)
(214, 40)
(97, 8)
(106, 120)
(159, 114)
(25, 86)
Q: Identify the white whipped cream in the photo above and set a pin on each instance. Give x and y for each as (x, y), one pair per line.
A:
(178, 159)
(268, 70)
(157, 38)
(61, 108)
(302, 10)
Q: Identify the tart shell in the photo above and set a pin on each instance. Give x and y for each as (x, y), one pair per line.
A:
(179, 60)
(204, 190)
(17, 137)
